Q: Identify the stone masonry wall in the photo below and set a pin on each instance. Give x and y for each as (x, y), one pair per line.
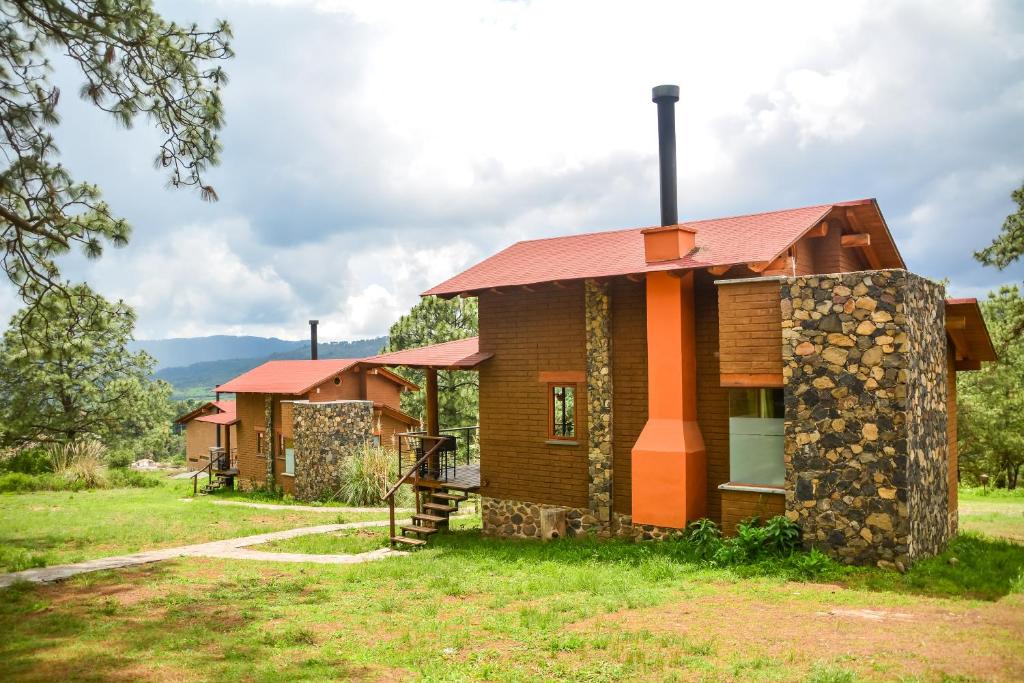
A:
(323, 433)
(519, 519)
(865, 447)
(599, 397)
(928, 475)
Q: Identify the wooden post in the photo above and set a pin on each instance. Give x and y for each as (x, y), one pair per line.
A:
(433, 421)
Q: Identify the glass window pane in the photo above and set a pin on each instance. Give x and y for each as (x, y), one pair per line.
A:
(563, 411)
(289, 457)
(756, 427)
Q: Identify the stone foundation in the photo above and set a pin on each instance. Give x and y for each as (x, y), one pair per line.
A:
(323, 434)
(519, 519)
(865, 450)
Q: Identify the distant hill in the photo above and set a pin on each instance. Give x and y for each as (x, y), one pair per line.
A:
(185, 351)
(198, 380)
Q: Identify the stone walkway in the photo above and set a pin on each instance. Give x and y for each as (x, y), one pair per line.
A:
(232, 548)
(299, 508)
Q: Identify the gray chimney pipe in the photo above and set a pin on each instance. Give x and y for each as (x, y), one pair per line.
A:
(312, 338)
(666, 96)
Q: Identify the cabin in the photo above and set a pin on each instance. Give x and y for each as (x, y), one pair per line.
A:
(211, 425)
(296, 420)
(778, 363)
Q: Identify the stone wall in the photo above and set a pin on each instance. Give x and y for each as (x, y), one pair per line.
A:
(865, 447)
(599, 400)
(322, 434)
(520, 519)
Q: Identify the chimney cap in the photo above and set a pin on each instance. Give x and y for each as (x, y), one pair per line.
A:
(314, 322)
(665, 93)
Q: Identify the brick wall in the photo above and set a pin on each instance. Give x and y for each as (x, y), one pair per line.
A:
(712, 397)
(530, 333)
(629, 377)
(750, 330)
(199, 437)
(738, 506)
(380, 389)
(251, 467)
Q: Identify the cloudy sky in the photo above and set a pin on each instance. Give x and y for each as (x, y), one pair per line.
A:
(374, 148)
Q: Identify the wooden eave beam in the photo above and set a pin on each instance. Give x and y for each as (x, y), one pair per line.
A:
(633, 277)
(858, 239)
(719, 270)
(819, 230)
(868, 251)
(962, 365)
(759, 266)
(956, 322)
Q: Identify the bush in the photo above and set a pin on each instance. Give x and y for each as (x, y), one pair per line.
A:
(18, 482)
(367, 474)
(131, 479)
(119, 458)
(80, 462)
(33, 460)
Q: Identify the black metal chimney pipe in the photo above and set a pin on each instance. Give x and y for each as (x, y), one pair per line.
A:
(666, 96)
(312, 338)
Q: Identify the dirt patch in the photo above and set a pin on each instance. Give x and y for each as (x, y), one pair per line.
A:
(922, 637)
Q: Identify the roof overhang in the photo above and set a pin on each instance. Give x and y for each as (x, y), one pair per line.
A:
(194, 414)
(966, 328)
(461, 354)
(219, 418)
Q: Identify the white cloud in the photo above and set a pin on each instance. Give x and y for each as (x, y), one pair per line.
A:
(373, 149)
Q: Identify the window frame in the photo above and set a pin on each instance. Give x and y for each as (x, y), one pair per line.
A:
(284, 455)
(761, 400)
(260, 443)
(551, 434)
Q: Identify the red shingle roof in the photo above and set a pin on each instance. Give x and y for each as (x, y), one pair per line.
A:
(721, 241)
(461, 353)
(291, 377)
(203, 413)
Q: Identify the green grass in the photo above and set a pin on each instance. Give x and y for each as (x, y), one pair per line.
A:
(995, 512)
(471, 608)
(46, 528)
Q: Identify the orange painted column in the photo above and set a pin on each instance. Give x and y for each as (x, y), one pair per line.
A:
(669, 476)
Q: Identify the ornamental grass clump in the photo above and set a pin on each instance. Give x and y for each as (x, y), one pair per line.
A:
(80, 463)
(368, 472)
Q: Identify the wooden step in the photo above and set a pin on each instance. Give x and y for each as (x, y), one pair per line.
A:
(447, 509)
(449, 496)
(422, 530)
(408, 541)
(430, 518)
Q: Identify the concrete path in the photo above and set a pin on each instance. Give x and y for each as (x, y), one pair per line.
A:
(232, 548)
(300, 508)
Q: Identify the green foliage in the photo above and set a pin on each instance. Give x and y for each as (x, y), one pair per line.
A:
(29, 460)
(777, 538)
(433, 321)
(990, 416)
(66, 374)
(1008, 246)
(368, 473)
(134, 63)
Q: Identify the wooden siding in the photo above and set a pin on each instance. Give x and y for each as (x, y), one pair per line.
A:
(712, 397)
(200, 437)
(380, 389)
(750, 330)
(738, 506)
(530, 333)
(251, 418)
(629, 383)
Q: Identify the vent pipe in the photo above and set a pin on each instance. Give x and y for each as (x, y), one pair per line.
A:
(312, 338)
(666, 96)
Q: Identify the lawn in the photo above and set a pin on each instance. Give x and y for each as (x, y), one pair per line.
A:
(47, 528)
(993, 514)
(470, 608)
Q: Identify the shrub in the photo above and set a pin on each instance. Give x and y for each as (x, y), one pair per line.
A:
(32, 460)
(131, 479)
(368, 473)
(119, 458)
(18, 482)
(80, 461)
(705, 537)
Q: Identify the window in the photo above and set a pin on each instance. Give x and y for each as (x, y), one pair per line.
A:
(756, 418)
(375, 440)
(562, 408)
(288, 446)
(259, 443)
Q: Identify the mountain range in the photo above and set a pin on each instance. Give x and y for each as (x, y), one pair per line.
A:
(194, 366)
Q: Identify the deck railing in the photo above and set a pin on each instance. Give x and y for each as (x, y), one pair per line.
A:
(459, 448)
(413, 475)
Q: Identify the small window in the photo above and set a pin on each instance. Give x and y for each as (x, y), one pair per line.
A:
(756, 419)
(375, 440)
(288, 446)
(562, 407)
(259, 443)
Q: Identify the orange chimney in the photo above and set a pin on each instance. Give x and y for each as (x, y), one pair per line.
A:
(668, 243)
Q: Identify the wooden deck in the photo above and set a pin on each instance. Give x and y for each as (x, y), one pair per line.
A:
(465, 478)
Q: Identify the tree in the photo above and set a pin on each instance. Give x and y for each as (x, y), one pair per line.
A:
(991, 400)
(135, 63)
(1009, 245)
(432, 321)
(66, 374)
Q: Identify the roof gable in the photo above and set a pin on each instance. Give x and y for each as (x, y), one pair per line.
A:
(289, 377)
(754, 238)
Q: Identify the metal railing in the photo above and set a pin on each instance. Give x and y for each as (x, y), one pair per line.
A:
(459, 447)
